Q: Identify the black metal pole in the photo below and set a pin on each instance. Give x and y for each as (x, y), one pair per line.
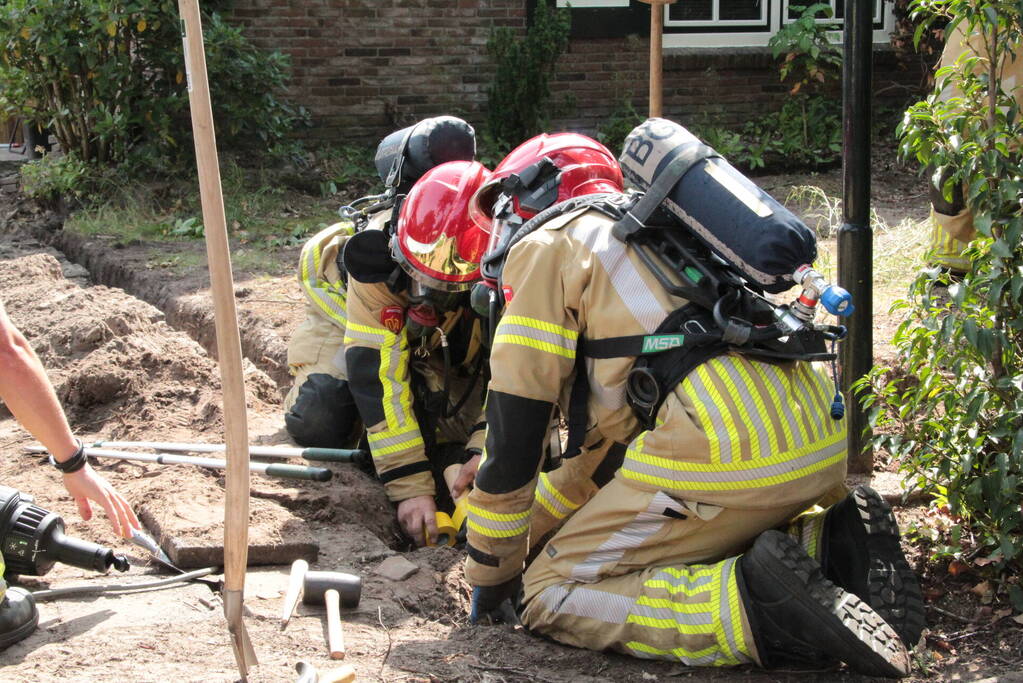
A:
(855, 247)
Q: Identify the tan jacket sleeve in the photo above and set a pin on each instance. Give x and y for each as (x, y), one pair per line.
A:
(378, 361)
(532, 358)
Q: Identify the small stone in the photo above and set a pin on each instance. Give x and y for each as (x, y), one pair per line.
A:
(396, 568)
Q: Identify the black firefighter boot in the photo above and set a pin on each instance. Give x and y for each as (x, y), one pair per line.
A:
(799, 618)
(861, 552)
(18, 616)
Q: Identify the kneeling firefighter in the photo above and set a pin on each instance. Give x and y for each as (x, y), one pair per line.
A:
(414, 349)
(319, 410)
(645, 316)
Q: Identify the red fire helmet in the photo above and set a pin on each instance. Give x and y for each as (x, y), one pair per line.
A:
(436, 242)
(581, 166)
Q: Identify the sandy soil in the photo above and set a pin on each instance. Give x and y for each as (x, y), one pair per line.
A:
(128, 369)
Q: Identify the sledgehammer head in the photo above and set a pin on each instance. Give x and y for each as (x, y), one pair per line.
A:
(316, 584)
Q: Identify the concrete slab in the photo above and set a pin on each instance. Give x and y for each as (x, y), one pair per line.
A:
(191, 532)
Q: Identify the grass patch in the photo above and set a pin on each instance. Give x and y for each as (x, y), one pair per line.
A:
(267, 210)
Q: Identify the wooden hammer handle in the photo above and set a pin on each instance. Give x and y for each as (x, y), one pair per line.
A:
(298, 570)
(335, 638)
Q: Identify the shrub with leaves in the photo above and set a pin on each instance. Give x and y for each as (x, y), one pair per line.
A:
(952, 412)
(518, 97)
(107, 76)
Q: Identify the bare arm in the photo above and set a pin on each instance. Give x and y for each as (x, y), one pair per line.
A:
(28, 394)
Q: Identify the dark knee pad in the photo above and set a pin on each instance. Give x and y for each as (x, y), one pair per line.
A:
(324, 414)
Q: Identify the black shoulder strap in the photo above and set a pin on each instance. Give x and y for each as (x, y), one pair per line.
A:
(636, 217)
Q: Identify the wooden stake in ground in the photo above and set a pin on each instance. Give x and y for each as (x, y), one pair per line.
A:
(656, 52)
(229, 349)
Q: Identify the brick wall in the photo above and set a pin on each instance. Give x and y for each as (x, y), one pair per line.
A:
(366, 67)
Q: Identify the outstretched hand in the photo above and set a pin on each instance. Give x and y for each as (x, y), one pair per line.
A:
(466, 477)
(86, 484)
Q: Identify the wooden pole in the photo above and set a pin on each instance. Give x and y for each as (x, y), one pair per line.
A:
(229, 349)
(656, 54)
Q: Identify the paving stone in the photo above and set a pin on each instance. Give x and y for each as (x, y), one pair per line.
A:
(396, 568)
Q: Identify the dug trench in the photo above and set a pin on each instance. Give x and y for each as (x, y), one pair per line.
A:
(130, 348)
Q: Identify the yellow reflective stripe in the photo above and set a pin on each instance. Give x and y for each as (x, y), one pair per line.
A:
(328, 297)
(398, 447)
(680, 607)
(498, 516)
(826, 389)
(495, 533)
(761, 413)
(728, 419)
(811, 411)
(720, 622)
(541, 325)
(672, 624)
(551, 338)
(533, 344)
(738, 635)
(557, 504)
(375, 335)
(680, 652)
(705, 419)
(817, 400)
(718, 365)
(749, 480)
(558, 496)
(769, 375)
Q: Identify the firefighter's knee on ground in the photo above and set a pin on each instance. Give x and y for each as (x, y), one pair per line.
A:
(324, 414)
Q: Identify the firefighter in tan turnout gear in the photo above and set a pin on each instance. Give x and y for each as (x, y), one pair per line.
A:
(319, 410)
(951, 222)
(413, 348)
(676, 557)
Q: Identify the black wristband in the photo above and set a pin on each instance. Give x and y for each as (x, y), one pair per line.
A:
(74, 463)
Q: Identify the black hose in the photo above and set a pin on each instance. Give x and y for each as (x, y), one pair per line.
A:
(50, 594)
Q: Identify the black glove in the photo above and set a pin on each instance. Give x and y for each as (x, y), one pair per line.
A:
(496, 604)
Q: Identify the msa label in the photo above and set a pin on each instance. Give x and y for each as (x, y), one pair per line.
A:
(662, 342)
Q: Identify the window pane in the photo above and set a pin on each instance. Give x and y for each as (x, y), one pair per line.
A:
(740, 9)
(691, 10)
(839, 9)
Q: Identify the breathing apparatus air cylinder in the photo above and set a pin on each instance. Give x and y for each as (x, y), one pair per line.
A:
(746, 227)
(405, 155)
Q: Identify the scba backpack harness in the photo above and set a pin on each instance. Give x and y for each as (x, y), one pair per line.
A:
(711, 237)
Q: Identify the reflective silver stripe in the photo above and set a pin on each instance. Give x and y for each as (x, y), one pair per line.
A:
(371, 337)
(754, 416)
(539, 335)
(320, 292)
(546, 491)
(769, 374)
(706, 399)
(518, 525)
(406, 434)
(810, 403)
(588, 603)
(633, 535)
(610, 398)
(667, 613)
(398, 388)
(626, 280)
(729, 621)
(687, 478)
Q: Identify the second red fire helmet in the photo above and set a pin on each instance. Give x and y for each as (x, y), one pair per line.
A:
(436, 242)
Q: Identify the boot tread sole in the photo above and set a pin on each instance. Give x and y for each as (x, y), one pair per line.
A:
(876, 649)
(893, 588)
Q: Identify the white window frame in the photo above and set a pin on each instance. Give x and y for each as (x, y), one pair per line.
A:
(777, 12)
(582, 4)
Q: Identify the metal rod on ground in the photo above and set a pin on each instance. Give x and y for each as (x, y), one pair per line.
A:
(266, 469)
(855, 248)
(51, 593)
(229, 349)
(316, 454)
(656, 54)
